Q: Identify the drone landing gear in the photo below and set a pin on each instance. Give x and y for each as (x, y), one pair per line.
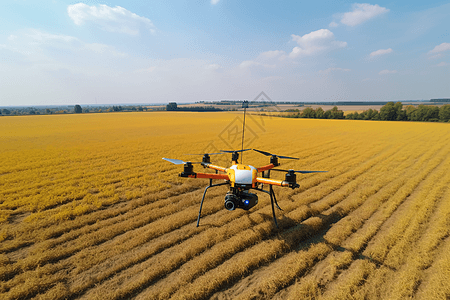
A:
(273, 200)
(203, 198)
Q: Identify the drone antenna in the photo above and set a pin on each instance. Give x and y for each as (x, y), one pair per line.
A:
(244, 106)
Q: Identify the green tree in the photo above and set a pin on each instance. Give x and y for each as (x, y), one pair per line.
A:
(401, 115)
(320, 113)
(410, 111)
(432, 114)
(336, 113)
(308, 113)
(171, 106)
(444, 113)
(389, 111)
(420, 113)
(77, 109)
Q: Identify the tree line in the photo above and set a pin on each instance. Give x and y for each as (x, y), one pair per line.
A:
(395, 112)
(318, 113)
(389, 112)
(77, 109)
(172, 106)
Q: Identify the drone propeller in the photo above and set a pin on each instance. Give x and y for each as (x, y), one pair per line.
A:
(293, 171)
(270, 154)
(179, 161)
(205, 153)
(232, 151)
(206, 156)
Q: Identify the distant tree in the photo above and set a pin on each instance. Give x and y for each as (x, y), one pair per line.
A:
(77, 109)
(308, 113)
(410, 110)
(336, 113)
(420, 113)
(401, 115)
(6, 111)
(432, 114)
(444, 113)
(171, 106)
(320, 113)
(398, 108)
(370, 114)
(350, 116)
(388, 112)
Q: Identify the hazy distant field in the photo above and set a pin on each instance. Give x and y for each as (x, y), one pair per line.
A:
(89, 210)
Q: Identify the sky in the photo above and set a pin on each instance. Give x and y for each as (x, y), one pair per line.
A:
(57, 52)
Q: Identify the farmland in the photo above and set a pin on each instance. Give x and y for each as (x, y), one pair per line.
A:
(89, 210)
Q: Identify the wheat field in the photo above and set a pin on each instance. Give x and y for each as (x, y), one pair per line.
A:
(89, 210)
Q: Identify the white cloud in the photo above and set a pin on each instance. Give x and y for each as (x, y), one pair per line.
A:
(333, 24)
(381, 52)
(251, 63)
(442, 64)
(214, 2)
(102, 49)
(384, 72)
(112, 19)
(40, 36)
(49, 51)
(361, 13)
(272, 54)
(329, 70)
(213, 67)
(440, 48)
(315, 42)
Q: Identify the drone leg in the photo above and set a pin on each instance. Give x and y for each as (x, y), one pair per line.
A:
(203, 198)
(273, 208)
(275, 198)
(201, 204)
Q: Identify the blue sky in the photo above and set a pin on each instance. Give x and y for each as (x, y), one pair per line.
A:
(107, 52)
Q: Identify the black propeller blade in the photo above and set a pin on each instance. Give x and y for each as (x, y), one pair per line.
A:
(270, 154)
(293, 171)
(206, 153)
(231, 151)
(179, 161)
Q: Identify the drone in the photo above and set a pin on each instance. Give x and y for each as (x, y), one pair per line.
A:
(242, 178)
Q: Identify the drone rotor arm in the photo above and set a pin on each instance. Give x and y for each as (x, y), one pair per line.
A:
(272, 181)
(265, 168)
(214, 167)
(209, 176)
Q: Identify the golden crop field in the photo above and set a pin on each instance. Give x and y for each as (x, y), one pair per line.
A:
(89, 210)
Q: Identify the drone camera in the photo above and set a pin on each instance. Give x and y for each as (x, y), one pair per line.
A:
(242, 200)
